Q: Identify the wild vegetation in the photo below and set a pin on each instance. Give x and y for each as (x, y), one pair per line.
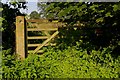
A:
(68, 63)
(80, 53)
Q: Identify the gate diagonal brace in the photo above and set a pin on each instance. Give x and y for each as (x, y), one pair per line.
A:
(45, 42)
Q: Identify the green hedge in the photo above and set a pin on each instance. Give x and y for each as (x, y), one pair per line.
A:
(68, 63)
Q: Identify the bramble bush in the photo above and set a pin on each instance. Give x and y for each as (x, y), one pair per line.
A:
(67, 63)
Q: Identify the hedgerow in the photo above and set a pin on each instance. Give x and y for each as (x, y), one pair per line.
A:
(68, 63)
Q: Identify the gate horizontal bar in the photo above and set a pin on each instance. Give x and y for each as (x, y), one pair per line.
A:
(46, 41)
(38, 37)
(35, 45)
(31, 51)
(42, 29)
(37, 20)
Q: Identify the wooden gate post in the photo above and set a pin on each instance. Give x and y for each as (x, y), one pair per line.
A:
(21, 36)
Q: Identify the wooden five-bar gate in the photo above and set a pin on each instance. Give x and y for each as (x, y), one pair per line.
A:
(47, 27)
(23, 27)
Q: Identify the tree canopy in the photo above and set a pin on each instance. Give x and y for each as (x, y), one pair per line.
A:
(34, 15)
(9, 13)
(92, 12)
(90, 15)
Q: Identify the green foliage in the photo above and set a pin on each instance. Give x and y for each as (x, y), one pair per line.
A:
(34, 15)
(91, 15)
(81, 11)
(69, 63)
(1, 19)
(8, 23)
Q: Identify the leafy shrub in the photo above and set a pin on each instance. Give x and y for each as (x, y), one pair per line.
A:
(69, 63)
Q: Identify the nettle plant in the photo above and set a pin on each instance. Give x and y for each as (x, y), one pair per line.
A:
(68, 63)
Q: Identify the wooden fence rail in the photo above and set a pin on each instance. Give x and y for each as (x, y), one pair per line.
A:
(22, 29)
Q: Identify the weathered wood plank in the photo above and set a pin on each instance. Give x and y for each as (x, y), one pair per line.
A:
(37, 20)
(31, 51)
(46, 25)
(21, 35)
(38, 37)
(45, 42)
(35, 45)
(42, 29)
(41, 20)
